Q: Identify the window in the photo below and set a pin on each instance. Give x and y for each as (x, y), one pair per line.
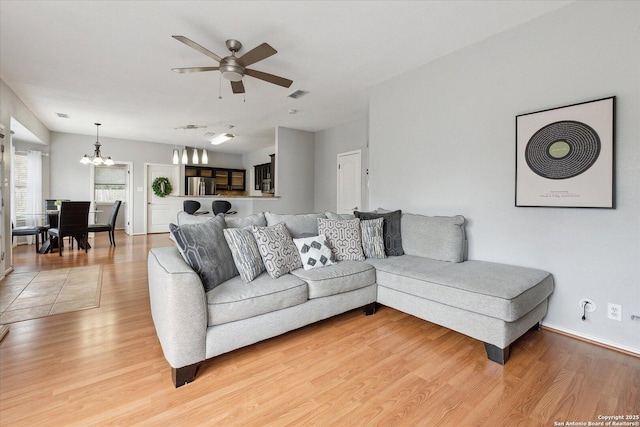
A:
(110, 183)
(20, 178)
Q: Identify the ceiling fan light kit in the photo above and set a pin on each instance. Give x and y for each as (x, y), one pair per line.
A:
(234, 68)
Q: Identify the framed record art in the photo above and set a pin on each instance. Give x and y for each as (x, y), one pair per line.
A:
(565, 157)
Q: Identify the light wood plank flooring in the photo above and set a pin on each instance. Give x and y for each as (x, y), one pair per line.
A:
(104, 366)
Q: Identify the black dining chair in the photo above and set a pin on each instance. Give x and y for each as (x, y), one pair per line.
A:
(73, 222)
(222, 207)
(111, 226)
(30, 230)
(191, 207)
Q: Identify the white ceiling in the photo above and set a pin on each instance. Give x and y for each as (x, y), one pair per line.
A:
(110, 61)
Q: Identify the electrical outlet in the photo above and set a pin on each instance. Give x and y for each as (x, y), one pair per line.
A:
(590, 305)
(614, 312)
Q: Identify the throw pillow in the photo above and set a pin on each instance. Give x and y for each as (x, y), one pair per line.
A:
(314, 251)
(344, 237)
(277, 249)
(245, 252)
(392, 234)
(373, 238)
(205, 249)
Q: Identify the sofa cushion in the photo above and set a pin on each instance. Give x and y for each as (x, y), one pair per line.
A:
(337, 216)
(314, 251)
(392, 230)
(303, 225)
(436, 237)
(205, 249)
(185, 218)
(257, 219)
(340, 277)
(245, 252)
(502, 291)
(344, 237)
(235, 300)
(373, 238)
(277, 250)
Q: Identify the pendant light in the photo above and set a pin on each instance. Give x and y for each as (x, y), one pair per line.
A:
(97, 158)
(194, 159)
(176, 156)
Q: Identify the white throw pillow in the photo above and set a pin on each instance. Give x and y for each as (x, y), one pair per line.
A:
(314, 251)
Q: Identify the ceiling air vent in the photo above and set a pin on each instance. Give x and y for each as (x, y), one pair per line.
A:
(62, 115)
(298, 94)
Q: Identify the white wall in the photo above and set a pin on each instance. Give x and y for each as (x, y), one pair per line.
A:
(442, 142)
(328, 144)
(70, 179)
(294, 173)
(12, 107)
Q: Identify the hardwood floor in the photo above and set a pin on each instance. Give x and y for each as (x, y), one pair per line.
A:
(104, 366)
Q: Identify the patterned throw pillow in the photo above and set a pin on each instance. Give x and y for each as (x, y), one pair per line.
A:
(204, 248)
(373, 238)
(314, 251)
(277, 249)
(245, 252)
(344, 237)
(392, 235)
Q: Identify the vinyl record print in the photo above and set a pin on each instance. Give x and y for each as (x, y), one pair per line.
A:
(565, 156)
(562, 150)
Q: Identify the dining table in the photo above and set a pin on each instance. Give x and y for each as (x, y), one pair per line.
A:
(52, 242)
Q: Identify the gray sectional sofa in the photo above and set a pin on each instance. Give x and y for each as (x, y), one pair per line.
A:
(432, 280)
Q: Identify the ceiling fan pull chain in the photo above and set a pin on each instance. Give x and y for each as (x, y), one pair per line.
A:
(220, 86)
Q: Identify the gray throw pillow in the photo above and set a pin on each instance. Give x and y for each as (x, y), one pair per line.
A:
(205, 249)
(391, 230)
(373, 238)
(277, 249)
(245, 252)
(344, 237)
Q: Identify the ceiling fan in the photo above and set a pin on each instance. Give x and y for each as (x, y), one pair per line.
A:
(235, 68)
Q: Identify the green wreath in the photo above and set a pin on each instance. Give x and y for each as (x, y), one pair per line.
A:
(161, 186)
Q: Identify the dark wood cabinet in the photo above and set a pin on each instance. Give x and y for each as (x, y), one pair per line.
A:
(226, 179)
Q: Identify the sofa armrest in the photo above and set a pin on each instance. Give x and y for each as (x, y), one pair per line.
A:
(178, 307)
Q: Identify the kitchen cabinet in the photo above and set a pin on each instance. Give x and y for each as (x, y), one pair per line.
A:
(225, 179)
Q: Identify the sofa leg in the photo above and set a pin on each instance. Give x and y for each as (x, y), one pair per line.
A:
(184, 375)
(535, 327)
(369, 309)
(496, 354)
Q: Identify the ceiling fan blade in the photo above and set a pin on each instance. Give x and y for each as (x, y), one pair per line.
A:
(237, 87)
(197, 47)
(194, 69)
(257, 54)
(276, 80)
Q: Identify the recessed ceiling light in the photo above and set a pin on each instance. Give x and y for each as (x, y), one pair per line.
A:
(292, 111)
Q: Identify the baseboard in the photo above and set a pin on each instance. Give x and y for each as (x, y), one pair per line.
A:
(3, 331)
(592, 340)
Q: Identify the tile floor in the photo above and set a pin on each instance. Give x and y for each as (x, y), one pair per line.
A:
(37, 294)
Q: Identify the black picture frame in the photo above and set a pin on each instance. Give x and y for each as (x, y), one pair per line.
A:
(565, 156)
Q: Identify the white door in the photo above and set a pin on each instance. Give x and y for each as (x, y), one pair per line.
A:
(159, 209)
(349, 182)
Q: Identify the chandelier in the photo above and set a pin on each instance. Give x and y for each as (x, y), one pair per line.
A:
(97, 158)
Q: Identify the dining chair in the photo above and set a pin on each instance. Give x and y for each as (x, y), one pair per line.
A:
(111, 226)
(73, 222)
(30, 230)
